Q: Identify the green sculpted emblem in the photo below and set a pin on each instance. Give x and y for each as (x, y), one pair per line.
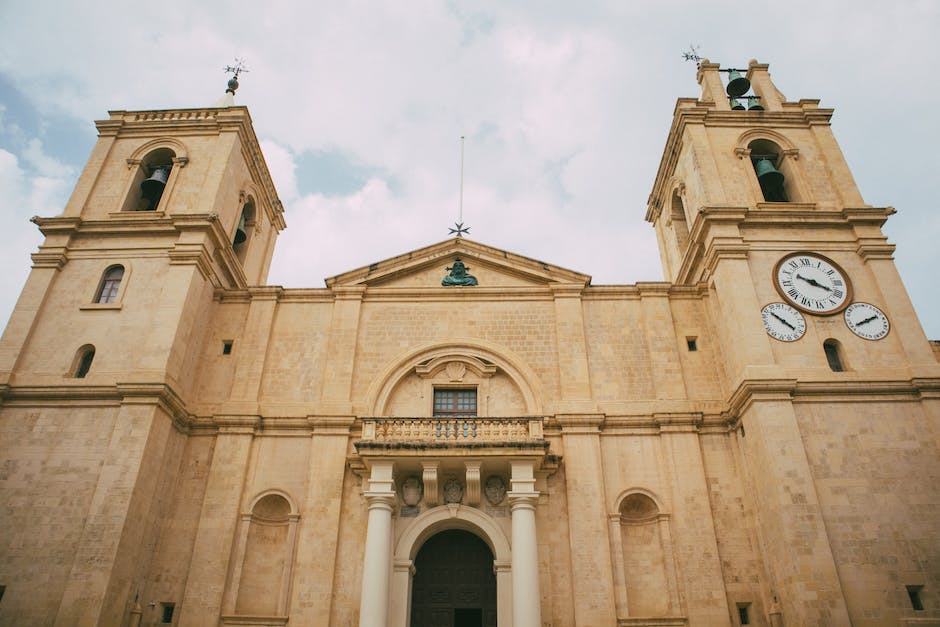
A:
(458, 275)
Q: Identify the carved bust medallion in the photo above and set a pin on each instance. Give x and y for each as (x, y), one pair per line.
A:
(453, 491)
(495, 489)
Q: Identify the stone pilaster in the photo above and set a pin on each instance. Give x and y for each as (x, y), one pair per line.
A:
(312, 594)
(202, 599)
(341, 353)
(573, 368)
(794, 538)
(591, 568)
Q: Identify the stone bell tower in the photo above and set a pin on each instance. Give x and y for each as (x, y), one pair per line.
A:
(755, 204)
(99, 356)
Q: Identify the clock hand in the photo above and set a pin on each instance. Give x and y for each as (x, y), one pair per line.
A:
(814, 282)
(792, 328)
(867, 320)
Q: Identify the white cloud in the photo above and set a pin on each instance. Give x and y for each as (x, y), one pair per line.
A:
(25, 195)
(565, 107)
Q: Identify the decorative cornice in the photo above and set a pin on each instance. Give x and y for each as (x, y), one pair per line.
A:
(144, 393)
(757, 390)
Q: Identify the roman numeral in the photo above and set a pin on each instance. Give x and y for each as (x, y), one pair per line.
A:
(793, 293)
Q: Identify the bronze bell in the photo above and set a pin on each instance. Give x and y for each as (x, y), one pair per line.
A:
(771, 180)
(737, 84)
(753, 104)
(152, 188)
(736, 105)
(240, 234)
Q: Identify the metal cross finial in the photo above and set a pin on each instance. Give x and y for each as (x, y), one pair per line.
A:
(239, 67)
(693, 55)
(459, 230)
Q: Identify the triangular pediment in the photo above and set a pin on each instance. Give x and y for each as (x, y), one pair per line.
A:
(426, 267)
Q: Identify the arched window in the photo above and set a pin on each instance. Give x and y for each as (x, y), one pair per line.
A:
(244, 229)
(83, 359)
(833, 352)
(110, 282)
(150, 181)
(774, 171)
(679, 220)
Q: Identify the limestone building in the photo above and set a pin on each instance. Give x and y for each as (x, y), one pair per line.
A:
(496, 441)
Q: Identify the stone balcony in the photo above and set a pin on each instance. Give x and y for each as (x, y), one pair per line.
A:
(517, 436)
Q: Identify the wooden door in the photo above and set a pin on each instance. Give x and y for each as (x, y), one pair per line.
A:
(454, 584)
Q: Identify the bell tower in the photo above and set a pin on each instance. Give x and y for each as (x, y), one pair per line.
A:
(755, 205)
(104, 343)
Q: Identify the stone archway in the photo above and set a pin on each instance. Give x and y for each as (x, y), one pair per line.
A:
(453, 584)
(431, 523)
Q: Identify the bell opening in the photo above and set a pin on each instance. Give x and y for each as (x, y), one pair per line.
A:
(150, 181)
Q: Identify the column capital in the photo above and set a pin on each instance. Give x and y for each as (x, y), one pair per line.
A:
(522, 500)
(380, 499)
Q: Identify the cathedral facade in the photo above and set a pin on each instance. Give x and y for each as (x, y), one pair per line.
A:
(463, 436)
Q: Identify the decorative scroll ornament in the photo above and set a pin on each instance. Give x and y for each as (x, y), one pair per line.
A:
(458, 275)
(453, 491)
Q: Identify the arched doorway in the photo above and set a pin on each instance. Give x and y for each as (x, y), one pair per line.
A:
(454, 584)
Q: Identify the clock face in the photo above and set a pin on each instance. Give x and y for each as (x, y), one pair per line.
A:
(783, 322)
(867, 321)
(812, 283)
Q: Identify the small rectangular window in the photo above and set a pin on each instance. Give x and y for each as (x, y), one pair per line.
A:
(692, 343)
(227, 347)
(914, 593)
(167, 612)
(453, 402)
(744, 615)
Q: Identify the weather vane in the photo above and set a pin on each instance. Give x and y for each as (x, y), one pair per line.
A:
(693, 55)
(460, 228)
(239, 67)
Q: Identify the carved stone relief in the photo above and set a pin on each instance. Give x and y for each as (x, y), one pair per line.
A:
(495, 489)
(453, 490)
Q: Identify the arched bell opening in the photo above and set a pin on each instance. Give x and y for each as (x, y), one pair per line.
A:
(775, 173)
(150, 180)
(454, 583)
(244, 229)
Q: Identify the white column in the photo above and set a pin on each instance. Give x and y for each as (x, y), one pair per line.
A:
(376, 569)
(526, 602)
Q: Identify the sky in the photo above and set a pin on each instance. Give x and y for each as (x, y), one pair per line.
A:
(565, 106)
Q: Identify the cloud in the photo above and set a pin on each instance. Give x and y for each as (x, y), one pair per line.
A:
(25, 195)
(565, 108)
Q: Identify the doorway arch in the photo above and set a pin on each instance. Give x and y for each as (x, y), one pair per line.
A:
(453, 584)
(432, 522)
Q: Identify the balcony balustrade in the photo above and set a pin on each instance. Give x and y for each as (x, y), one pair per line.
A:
(453, 430)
